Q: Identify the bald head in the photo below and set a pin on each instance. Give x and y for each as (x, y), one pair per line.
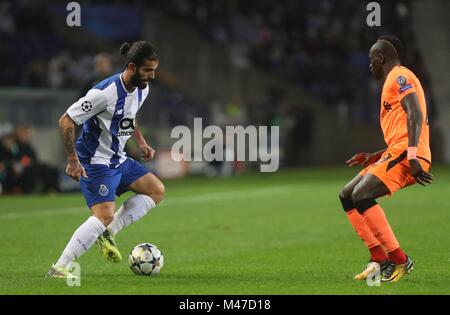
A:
(383, 56)
(386, 49)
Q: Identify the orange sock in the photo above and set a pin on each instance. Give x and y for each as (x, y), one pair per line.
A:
(377, 222)
(357, 221)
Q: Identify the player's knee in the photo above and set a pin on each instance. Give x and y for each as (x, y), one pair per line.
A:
(360, 194)
(356, 195)
(157, 192)
(345, 193)
(362, 201)
(346, 200)
(105, 217)
(104, 212)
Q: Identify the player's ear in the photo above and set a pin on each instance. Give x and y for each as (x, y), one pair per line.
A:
(381, 58)
(132, 68)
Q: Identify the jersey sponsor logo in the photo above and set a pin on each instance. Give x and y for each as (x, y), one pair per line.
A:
(125, 124)
(103, 190)
(124, 133)
(86, 106)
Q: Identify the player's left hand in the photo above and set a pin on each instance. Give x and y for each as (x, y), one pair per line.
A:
(147, 151)
(363, 159)
(419, 174)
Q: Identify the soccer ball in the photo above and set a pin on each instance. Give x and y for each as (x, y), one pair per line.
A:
(146, 259)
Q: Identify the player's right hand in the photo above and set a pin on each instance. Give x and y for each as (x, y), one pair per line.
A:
(75, 170)
(422, 177)
(363, 159)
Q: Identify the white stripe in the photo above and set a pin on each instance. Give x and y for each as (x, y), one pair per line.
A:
(173, 201)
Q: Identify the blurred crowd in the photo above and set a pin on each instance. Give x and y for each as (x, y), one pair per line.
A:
(29, 43)
(38, 54)
(320, 44)
(20, 169)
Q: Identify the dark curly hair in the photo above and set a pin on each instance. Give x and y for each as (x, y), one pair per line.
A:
(138, 52)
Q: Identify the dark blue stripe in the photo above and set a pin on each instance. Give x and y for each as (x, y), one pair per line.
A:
(107, 82)
(88, 142)
(139, 96)
(121, 94)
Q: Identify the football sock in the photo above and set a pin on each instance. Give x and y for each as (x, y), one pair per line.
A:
(398, 256)
(377, 222)
(131, 210)
(377, 252)
(81, 240)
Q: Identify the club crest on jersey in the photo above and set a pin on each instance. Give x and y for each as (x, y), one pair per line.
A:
(401, 80)
(86, 106)
(103, 190)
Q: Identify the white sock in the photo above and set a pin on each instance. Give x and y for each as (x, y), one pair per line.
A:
(132, 210)
(81, 240)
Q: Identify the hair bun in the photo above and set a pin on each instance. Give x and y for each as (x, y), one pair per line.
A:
(125, 48)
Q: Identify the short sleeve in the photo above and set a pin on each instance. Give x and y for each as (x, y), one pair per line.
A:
(88, 106)
(402, 85)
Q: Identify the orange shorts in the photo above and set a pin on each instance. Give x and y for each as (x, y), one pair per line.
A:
(393, 170)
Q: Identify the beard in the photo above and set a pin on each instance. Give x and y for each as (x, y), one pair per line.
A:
(138, 82)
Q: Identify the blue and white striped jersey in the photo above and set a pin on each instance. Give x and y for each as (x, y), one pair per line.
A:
(107, 113)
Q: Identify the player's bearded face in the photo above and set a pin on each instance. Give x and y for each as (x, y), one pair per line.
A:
(143, 74)
(138, 81)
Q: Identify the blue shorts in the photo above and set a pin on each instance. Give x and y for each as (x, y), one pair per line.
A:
(104, 183)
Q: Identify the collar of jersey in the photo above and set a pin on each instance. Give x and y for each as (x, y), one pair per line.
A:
(124, 88)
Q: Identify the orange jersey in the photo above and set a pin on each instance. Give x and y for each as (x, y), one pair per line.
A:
(400, 82)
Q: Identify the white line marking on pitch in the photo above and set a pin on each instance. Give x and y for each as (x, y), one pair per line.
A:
(171, 201)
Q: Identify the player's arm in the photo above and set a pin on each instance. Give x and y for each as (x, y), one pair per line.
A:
(67, 129)
(410, 104)
(365, 159)
(138, 137)
(85, 108)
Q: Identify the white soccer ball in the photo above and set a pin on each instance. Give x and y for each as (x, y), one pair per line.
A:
(146, 259)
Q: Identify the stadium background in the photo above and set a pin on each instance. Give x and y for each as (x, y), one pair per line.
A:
(299, 65)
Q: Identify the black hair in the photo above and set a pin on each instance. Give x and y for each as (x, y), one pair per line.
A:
(394, 41)
(138, 52)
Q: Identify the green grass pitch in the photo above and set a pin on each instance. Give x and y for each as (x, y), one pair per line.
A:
(282, 233)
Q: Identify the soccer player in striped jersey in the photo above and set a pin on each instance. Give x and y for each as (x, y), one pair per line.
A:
(97, 160)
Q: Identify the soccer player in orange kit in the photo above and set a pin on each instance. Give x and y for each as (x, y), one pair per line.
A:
(406, 161)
